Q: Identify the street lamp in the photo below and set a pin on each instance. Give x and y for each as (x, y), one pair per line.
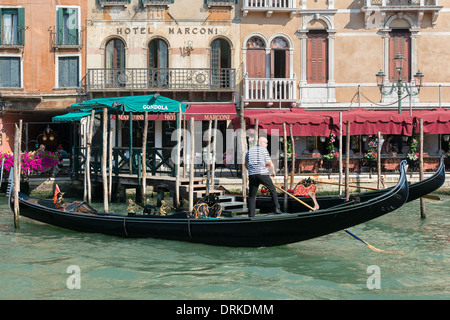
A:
(399, 85)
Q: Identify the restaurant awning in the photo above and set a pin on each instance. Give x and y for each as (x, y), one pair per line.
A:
(133, 104)
(304, 123)
(367, 122)
(70, 117)
(436, 121)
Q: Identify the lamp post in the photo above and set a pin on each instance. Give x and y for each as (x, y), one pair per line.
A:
(399, 85)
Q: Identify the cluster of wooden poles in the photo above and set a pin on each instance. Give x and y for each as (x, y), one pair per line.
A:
(107, 153)
(346, 184)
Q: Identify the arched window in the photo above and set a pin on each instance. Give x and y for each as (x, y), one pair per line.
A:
(115, 64)
(158, 63)
(115, 54)
(256, 57)
(220, 62)
(158, 54)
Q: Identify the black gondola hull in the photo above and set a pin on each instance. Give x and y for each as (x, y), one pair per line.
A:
(262, 230)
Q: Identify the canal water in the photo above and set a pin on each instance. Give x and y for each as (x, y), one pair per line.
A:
(44, 262)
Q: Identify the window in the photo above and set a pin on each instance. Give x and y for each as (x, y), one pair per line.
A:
(115, 54)
(10, 75)
(317, 57)
(68, 72)
(400, 42)
(67, 29)
(279, 58)
(12, 26)
(115, 63)
(220, 63)
(158, 54)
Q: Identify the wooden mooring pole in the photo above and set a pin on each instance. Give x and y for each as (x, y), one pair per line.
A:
(105, 160)
(16, 159)
(347, 163)
(208, 158)
(340, 153)
(243, 143)
(214, 151)
(285, 166)
(422, 201)
(293, 156)
(87, 164)
(191, 165)
(144, 160)
(178, 159)
(379, 160)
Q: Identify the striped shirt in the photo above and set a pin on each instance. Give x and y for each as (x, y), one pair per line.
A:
(257, 157)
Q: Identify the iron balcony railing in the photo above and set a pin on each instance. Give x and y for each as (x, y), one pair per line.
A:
(401, 3)
(220, 2)
(12, 36)
(160, 79)
(63, 37)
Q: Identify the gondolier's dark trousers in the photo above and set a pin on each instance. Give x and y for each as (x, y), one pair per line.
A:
(254, 181)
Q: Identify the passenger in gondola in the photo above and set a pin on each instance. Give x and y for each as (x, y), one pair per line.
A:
(259, 165)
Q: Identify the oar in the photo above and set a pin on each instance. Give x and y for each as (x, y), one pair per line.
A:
(305, 204)
(428, 196)
(351, 186)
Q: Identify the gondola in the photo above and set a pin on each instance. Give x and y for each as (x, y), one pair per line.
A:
(416, 191)
(264, 230)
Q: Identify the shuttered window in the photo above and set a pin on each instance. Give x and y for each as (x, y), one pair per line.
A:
(67, 26)
(317, 57)
(68, 72)
(10, 72)
(12, 26)
(256, 63)
(400, 42)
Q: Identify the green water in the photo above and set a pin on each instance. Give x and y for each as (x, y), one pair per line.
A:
(34, 262)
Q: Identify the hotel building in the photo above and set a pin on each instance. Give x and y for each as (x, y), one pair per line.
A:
(267, 55)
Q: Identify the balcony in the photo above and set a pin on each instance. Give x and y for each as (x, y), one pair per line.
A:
(219, 3)
(270, 90)
(170, 79)
(110, 3)
(146, 3)
(66, 38)
(269, 6)
(12, 37)
(416, 7)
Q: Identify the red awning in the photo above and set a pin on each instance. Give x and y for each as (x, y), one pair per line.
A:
(366, 122)
(304, 123)
(436, 121)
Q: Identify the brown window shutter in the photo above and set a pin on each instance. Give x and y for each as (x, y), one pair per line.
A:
(256, 63)
(317, 58)
(400, 42)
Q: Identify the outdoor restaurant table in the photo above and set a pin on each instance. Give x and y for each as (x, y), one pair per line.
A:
(310, 162)
(391, 162)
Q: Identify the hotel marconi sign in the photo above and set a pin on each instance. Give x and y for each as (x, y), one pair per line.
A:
(169, 30)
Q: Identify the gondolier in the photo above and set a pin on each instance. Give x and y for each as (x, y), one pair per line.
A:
(259, 164)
